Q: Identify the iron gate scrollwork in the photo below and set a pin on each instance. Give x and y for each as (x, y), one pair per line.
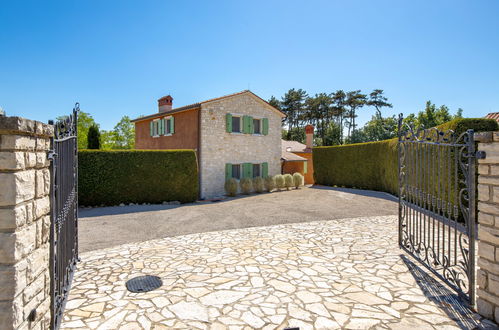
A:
(437, 207)
(64, 214)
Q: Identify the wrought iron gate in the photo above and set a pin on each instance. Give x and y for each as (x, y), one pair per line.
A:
(64, 206)
(437, 204)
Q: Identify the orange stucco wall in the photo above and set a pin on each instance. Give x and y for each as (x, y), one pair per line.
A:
(293, 167)
(186, 134)
(309, 177)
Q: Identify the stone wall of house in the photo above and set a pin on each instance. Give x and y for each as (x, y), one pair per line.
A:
(219, 147)
(24, 224)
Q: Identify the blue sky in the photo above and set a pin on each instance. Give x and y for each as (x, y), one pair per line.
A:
(118, 57)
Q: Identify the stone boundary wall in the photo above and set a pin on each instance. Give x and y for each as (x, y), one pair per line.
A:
(488, 229)
(24, 224)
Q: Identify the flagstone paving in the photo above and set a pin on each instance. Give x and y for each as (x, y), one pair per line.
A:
(346, 273)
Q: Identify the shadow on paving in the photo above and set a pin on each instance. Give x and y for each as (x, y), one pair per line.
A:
(359, 192)
(447, 300)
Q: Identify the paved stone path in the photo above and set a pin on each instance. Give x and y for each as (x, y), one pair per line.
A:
(346, 273)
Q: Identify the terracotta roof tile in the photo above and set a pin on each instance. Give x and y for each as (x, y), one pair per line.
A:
(493, 115)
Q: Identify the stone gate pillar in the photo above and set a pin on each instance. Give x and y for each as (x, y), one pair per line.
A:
(24, 224)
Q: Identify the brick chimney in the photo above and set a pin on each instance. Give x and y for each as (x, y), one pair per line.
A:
(309, 131)
(165, 103)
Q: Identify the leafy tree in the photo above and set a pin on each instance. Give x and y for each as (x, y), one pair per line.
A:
(107, 140)
(379, 128)
(124, 134)
(85, 121)
(93, 137)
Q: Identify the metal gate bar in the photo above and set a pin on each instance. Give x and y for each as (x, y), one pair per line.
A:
(64, 212)
(437, 203)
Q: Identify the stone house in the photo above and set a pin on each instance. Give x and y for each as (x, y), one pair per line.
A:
(297, 157)
(235, 136)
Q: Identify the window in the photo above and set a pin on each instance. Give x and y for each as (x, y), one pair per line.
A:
(236, 124)
(256, 170)
(257, 126)
(236, 171)
(168, 126)
(155, 128)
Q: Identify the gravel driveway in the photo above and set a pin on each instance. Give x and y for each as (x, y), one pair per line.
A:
(110, 226)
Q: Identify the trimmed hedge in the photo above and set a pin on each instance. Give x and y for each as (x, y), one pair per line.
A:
(112, 177)
(374, 165)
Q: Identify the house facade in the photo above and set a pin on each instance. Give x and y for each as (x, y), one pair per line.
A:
(298, 157)
(235, 136)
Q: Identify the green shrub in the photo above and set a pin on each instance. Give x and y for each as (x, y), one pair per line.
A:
(374, 165)
(112, 177)
(288, 181)
(269, 183)
(231, 187)
(298, 180)
(279, 181)
(246, 186)
(258, 184)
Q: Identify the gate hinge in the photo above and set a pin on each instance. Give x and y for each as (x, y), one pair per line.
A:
(51, 155)
(480, 154)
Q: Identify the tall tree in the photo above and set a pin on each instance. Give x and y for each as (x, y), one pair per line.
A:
(378, 101)
(124, 134)
(339, 110)
(93, 137)
(293, 105)
(354, 101)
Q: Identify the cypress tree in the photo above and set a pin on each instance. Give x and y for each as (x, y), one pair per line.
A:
(93, 137)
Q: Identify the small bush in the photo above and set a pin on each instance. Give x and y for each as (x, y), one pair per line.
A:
(269, 183)
(258, 184)
(288, 181)
(298, 180)
(246, 186)
(231, 187)
(279, 181)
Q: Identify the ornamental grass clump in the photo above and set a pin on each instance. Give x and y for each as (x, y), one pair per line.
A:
(288, 181)
(231, 187)
(258, 184)
(298, 180)
(246, 186)
(269, 182)
(279, 181)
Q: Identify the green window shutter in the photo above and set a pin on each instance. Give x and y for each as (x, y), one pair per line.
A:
(172, 125)
(162, 126)
(228, 123)
(305, 167)
(251, 125)
(228, 171)
(245, 125)
(151, 127)
(265, 124)
(247, 170)
(265, 170)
